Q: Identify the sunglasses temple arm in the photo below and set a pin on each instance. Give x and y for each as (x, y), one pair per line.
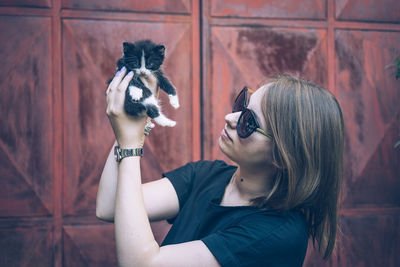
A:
(264, 133)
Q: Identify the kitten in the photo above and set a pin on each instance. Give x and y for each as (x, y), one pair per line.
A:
(145, 59)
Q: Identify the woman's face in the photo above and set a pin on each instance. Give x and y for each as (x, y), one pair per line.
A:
(254, 151)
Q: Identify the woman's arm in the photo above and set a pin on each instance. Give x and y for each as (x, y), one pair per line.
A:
(160, 198)
(134, 238)
(105, 201)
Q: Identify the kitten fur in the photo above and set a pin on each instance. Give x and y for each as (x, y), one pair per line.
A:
(145, 58)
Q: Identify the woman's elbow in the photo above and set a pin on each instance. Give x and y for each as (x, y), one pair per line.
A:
(101, 215)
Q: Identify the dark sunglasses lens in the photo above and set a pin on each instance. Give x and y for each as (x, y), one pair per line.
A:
(240, 102)
(246, 124)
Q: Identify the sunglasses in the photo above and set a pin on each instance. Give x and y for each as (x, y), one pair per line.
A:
(247, 123)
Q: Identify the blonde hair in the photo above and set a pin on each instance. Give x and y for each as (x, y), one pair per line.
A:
(306, 123)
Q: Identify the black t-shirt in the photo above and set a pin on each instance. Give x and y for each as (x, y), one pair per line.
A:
(236, 236)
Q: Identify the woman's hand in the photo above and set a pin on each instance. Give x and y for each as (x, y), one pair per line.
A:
(128, 130)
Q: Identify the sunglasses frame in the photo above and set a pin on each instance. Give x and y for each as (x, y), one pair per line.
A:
(244, 110)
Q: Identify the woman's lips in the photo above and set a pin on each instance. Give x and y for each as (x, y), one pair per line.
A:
(225, 135)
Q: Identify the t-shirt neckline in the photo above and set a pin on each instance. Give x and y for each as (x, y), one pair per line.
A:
(216, 201)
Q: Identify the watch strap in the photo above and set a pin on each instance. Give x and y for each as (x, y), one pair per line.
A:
(121, 153)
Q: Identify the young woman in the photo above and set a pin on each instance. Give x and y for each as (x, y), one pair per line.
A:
(287, 142)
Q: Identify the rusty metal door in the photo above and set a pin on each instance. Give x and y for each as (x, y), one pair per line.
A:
(54, 135)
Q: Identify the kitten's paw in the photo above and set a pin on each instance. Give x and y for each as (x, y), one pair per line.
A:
(171, 124)
(135, 92)
(173, 100)
(163, 121)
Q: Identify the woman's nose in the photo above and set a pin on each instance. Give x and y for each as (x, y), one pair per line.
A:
(231, 119)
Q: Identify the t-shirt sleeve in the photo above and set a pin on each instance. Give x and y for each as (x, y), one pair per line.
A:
(182, 179)
(187, 178)
(256, 243)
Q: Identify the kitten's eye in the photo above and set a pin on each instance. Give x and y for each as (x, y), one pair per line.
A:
(132, 61)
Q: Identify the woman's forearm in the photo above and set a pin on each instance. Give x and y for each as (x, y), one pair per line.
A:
(105, 202)
(135, 241)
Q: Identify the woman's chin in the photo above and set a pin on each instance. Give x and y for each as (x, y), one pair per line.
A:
(225, 148)
(222, 145)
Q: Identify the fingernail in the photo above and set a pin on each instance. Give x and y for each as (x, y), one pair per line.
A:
(130, 73)
(123, 68)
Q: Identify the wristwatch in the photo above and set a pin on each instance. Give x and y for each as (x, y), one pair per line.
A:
(121, 153)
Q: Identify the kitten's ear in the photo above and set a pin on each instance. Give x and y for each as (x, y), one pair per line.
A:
(160, 49)
(127, 46)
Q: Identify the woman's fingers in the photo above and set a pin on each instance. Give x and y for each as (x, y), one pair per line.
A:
(125, 82)
(119, 95)
(116, 96)
(117, 79)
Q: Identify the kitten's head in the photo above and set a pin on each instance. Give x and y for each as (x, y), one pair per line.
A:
(143, 57)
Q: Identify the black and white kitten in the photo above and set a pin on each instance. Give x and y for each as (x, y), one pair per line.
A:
(145, 59)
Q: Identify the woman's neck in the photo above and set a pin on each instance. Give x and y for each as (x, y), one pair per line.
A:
(247, 184)
(252, 183)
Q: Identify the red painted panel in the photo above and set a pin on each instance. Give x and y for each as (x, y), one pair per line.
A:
(90, 50)
(94, 245)
(26, 3)
(246, 56)
(314, 258)
(89, 245)
(171, 6)
(25, 247)
(370, 97)
(369, 240)
(160, 230)
(310, 9)
(26, 117)
(364, 84)
(371, 10)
